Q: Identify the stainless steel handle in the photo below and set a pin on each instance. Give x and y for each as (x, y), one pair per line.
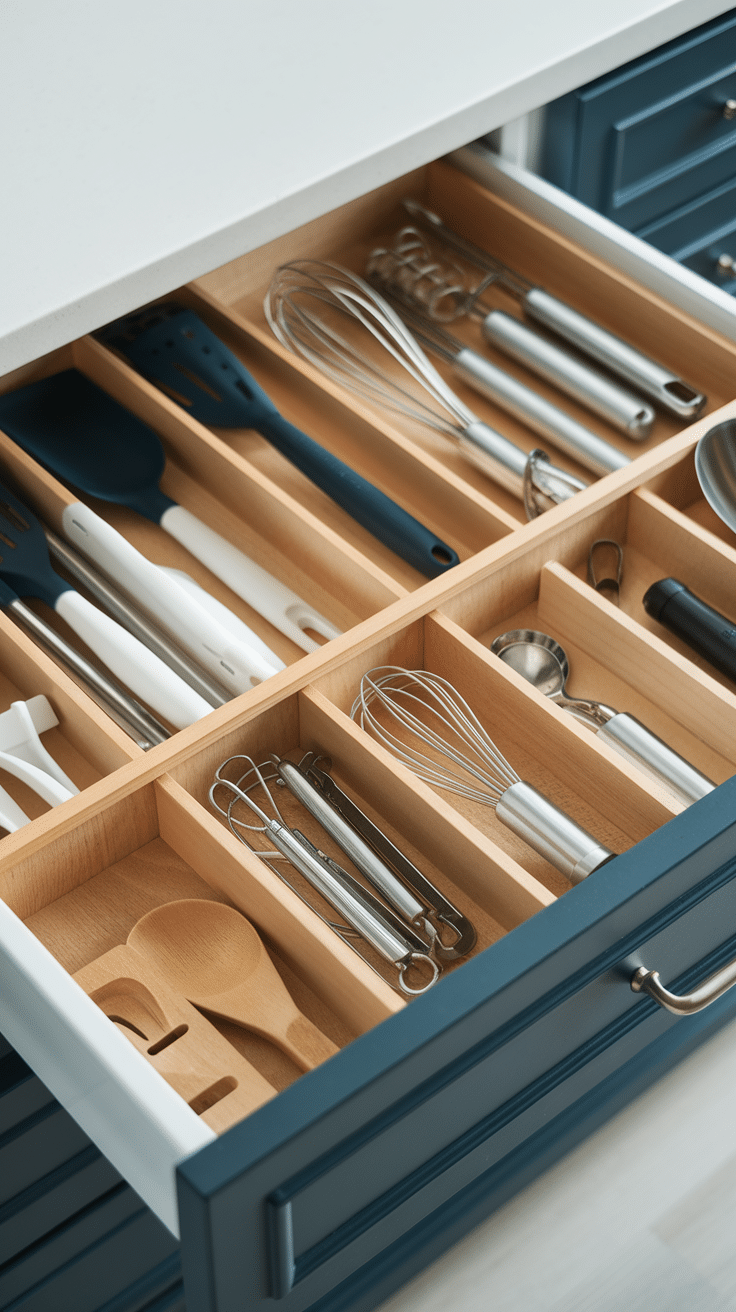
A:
(578, 378)
(142, 726)
(632, 740)
(684, 1004)
(530, 476)
(645, 375)
(552, 833)
(538, 414)
(351, 843)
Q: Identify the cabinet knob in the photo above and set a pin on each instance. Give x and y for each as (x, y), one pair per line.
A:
(729, 109)
(725, 264)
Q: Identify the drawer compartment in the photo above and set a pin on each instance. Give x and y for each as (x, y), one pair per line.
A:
(345, 1176)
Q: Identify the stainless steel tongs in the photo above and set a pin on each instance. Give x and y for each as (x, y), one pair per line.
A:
(396, 943)
(412, 895)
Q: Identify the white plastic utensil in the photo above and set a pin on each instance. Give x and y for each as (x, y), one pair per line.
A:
(220, 613)
(266, 594)
(23, 754)
(11, 815)
(26, 568)
(238, 663)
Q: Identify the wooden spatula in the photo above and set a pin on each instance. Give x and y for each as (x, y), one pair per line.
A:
(213, 956)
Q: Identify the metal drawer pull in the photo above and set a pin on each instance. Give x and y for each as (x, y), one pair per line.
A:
(685, 1004)
(725, 263)
(729, 109)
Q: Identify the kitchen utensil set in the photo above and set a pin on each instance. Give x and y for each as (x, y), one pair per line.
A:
(478, 372)
(92, 422)
(173, 347)
(396, 940)
(409, 268)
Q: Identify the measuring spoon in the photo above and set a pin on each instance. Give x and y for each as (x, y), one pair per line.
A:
(213, 956)
(541, 660)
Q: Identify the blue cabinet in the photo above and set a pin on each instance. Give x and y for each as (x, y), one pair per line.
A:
(654, 141)
(368, 1168)
(74, 1237)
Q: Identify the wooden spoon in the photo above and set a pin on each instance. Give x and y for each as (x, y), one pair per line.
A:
(213, 956)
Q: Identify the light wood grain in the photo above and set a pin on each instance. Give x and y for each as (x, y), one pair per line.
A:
(188, 1052)
(212, 955)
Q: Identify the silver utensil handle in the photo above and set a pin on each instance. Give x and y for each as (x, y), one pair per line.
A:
(539, 414)
(541, 824)
(357, 912)
(656, 382)
(351, 843)
(684, 1004)
(440, 912)
(124, 612)
(642, 747)
(530, 476)
(138, 722)
(625, 411)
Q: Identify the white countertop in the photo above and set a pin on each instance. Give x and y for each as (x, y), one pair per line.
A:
(143, 145)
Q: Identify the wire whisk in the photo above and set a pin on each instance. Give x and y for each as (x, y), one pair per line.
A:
(404, 692)
(310, 305)
(432, 713)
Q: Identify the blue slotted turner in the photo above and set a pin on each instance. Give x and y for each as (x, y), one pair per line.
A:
(175, 349)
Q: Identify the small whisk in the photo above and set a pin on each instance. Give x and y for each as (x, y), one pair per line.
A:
(308, 305)
(432, 714)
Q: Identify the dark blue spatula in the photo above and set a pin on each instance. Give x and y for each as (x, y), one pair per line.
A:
(175, 349)
(87, 439)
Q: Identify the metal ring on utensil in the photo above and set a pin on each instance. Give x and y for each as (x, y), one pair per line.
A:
(417, 956)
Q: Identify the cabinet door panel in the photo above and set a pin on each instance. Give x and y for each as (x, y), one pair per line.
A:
(653, 134)
(332, 1174)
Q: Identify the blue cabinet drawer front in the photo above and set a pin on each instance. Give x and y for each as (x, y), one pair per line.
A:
(652, 135)
(127, 1269)
(699, 234)
(59, 1195)
(36, 1145)
(323, 1185)
(21, 1092)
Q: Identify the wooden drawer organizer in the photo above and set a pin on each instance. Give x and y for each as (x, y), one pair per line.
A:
(142, 833)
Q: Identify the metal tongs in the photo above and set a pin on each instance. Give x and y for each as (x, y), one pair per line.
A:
(366, 916)
(415, 899)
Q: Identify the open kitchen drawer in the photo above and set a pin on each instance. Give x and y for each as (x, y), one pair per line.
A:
(342, 1181)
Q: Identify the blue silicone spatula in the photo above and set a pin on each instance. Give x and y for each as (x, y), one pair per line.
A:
(175, 348)
(85, 437)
